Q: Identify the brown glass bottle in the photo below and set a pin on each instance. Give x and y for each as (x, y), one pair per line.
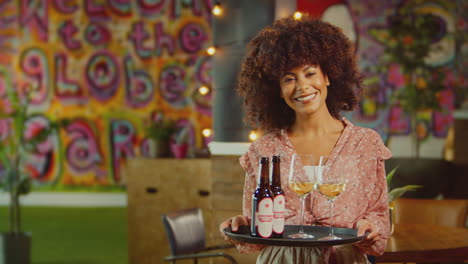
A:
(262, 204)
(279, 201)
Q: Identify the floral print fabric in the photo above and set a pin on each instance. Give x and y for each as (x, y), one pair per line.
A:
(365, 196)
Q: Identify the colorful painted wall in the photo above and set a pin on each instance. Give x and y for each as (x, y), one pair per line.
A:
(107, 66)
(364, 22)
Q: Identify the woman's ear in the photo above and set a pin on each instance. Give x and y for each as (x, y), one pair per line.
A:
(327, 82)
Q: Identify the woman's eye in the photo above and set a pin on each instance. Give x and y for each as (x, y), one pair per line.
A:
(310, 74)
(286, 80)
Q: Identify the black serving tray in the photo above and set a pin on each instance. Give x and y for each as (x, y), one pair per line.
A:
(348, 236)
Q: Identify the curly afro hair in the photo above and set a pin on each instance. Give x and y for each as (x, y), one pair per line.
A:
(284, 45)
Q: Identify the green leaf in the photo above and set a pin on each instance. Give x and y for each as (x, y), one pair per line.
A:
(32, 143)
(161, 131)
(24, 186)
(64, 122)
(398, 192)
(390, 175)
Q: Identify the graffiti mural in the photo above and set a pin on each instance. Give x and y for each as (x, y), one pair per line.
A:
(104, 66)
(366, 23)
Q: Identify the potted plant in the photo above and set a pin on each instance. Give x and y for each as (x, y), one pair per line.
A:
(15, 143)
(396, 193)
(160, 130)
(179, 143)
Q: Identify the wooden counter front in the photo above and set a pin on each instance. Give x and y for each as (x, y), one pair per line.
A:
(154, 187)
(158, 186)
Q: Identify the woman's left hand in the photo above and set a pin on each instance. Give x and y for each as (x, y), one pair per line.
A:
(364, 226)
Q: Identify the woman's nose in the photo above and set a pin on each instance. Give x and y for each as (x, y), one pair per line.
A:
(301, 85)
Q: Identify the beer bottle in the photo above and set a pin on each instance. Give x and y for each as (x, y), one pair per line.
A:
(279, 201)
(262, 204)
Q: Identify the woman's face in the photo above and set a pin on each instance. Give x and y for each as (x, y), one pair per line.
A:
(304, 89)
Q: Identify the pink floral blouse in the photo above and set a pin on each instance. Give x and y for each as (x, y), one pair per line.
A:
(365, 196)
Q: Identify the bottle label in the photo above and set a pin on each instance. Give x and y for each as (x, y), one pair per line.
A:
(278, 214)
(265, 217)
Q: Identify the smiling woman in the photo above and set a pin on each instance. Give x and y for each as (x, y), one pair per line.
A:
(297, 77)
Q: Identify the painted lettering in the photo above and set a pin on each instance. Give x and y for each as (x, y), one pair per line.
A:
(103, 75)
(137, 36)
(66, 32)
(139, 88)
(34, 15)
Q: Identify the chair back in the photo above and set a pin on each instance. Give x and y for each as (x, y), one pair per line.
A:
(185, 231)
(424, 211)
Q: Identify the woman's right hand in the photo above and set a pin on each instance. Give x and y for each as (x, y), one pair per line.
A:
(234, 223)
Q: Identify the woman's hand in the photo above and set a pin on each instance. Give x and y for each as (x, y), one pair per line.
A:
(364, 226)
(234, 223)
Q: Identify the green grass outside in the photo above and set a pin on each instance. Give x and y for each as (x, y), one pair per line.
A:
(74, 235)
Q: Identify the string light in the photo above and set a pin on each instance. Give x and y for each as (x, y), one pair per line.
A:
(206, 132)
(203, 90)
(253, 135)
(217, 9)
(297, 15)
(211, 50)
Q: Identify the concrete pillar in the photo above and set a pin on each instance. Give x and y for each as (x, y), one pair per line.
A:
(241, 20)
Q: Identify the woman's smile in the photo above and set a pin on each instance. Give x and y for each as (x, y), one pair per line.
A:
(306, 98)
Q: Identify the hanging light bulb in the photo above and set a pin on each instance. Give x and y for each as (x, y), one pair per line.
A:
(203, 90)
(217, 9)
(253, 135)
(297, 15)
(206, 132)
(211, 50)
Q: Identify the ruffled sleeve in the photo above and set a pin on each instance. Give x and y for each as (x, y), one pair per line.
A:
(377, 210)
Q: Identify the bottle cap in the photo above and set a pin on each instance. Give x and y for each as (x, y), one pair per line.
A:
(264, 160)
(275, 158)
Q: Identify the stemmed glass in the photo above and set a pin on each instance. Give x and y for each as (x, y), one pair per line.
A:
(302, 180)
(331, 185)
